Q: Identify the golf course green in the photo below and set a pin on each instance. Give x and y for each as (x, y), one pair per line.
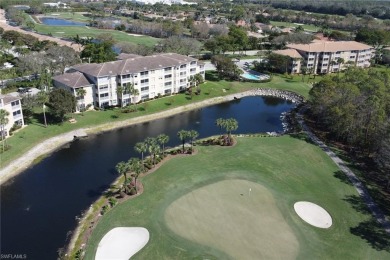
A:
(238, 203)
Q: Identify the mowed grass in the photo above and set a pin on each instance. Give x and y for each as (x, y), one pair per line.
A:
(76, 16)
(308, 27)
(35, 132)
(84, 31)
(288, 168)
(228, 209)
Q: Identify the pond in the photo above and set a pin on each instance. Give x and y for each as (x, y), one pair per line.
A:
(39, 206)
(52, 21)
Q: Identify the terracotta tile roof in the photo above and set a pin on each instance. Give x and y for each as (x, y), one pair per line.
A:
(289, 52)
(330, 46)
(133, 65)
(73, 80)
(8, 98)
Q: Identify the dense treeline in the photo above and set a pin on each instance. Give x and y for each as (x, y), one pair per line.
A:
(355, 109)
(378, 9)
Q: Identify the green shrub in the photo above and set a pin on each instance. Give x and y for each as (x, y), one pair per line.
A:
(105, 208)
(112, 202)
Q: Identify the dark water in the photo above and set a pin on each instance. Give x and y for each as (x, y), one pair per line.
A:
(60, 22)
(39, 206)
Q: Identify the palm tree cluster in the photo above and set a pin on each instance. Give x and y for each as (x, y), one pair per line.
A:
(155, 147)
(229, 125)
(127, 88)
(187, 135)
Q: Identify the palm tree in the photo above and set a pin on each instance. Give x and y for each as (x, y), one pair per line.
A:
(136, 166)
(43, 98)
(303, 71)
(119, 93)
(340, 61)
(122, 168)
(182, 134)
(80, 93)
(333, 63)
(3, 122)
(198, 80)
(231, 125)
(193, 134)
(135, 93)
(219, 122)
(163, 139)
(141, 147)
(154, 149)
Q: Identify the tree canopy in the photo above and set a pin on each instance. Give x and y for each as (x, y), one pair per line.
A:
(354, 108)
(60, 103)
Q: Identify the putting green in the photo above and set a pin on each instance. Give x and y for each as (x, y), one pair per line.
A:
(238, 217)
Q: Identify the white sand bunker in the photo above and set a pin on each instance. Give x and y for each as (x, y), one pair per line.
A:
(122, 243)
(313, 214)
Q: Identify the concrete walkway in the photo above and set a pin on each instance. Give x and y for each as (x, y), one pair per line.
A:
(359, 186)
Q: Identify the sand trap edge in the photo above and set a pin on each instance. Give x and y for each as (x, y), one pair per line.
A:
(122, 243)
(313, 214)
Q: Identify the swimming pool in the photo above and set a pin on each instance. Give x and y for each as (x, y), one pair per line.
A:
(252, 76)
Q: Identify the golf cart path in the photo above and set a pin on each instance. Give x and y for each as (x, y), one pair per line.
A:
(361, 189)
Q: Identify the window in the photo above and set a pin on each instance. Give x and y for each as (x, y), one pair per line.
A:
(192, 70)
(168, 69)
(183, 66)
(16, 113)
(103, 87)
(183, 80)
(183, 73)
(311, 59)
(193, 62)
(352, 57)
(168, 84)
(168, 76)
(104, 95)
(144, 88)
(145, 96)
(144, 73)
(168, 91)
(310, 65)
(126, 76)
(326, 59)
(15, 103)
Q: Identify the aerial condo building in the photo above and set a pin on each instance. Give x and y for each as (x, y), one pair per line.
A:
(152, 76)
(323, 57)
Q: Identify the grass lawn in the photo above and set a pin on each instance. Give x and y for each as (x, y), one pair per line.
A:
(35, 133)
(76, 16)
(83, 31)
(188, 200)
(309, 27)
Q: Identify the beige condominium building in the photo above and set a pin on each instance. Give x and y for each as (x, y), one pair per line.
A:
(13, 106)
(160, 74)
(327, 56)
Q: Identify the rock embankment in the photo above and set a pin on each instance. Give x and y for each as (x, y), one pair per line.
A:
(284, 94)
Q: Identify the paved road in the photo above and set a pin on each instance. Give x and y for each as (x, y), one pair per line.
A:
(7, 27)
(359, 186)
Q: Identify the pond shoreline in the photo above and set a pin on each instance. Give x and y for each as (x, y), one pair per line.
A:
(51, 145)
